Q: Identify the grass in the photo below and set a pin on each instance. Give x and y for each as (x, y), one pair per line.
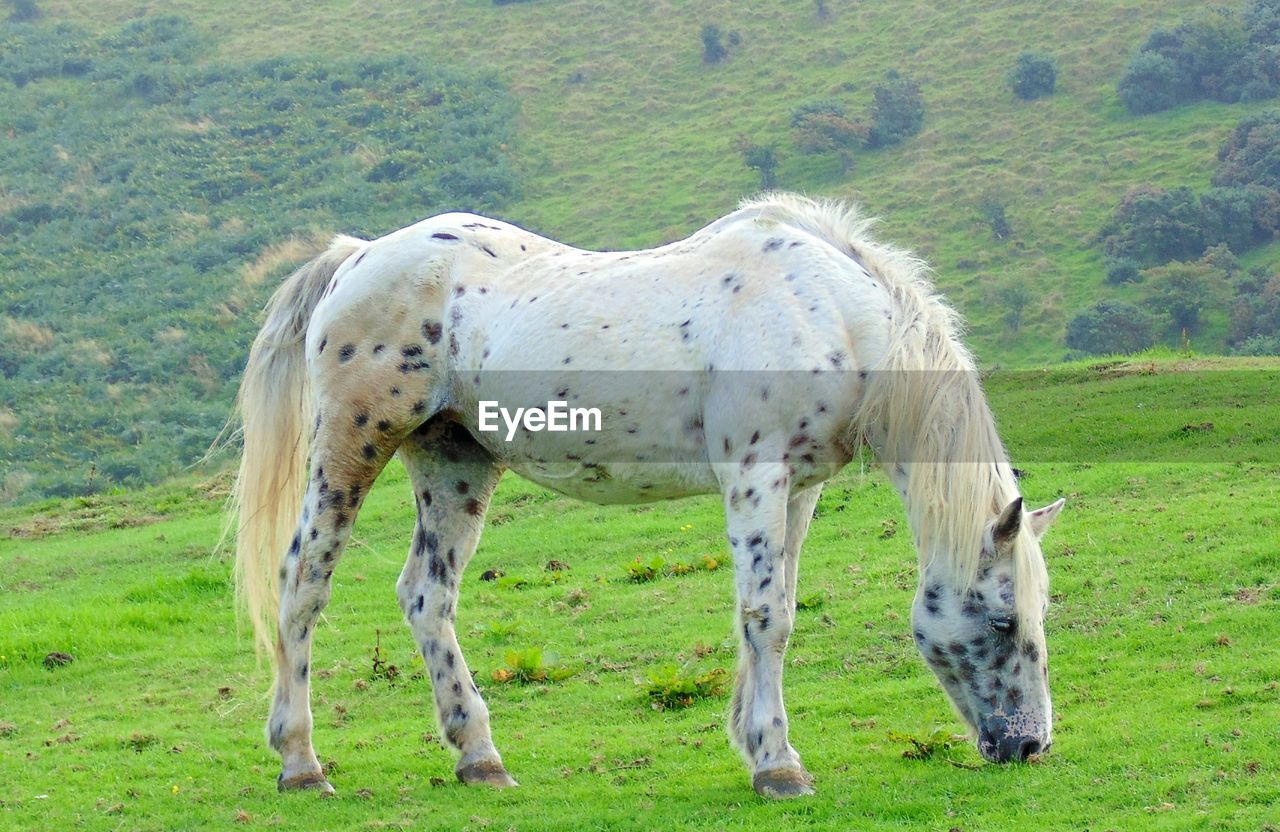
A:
(1163, 649)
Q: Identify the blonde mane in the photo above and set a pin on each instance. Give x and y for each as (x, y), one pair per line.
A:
(925, 397)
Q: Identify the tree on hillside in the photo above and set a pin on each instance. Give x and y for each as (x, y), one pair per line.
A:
(1033, 76)
(1111, 327)
(1185, 291)
(1013, 298)
(897, 111)
(761, 158)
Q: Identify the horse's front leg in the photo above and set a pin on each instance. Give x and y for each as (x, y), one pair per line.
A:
(755, 499)
(453, 478)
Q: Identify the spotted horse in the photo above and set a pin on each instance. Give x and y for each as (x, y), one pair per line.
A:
(752, 360)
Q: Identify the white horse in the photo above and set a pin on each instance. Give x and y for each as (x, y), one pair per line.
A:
(775, 340)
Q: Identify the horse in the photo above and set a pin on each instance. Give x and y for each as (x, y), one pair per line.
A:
(753, 360)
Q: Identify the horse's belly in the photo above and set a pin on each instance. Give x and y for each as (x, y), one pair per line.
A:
(608, 483)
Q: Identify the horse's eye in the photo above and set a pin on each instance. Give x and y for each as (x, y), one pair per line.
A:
(1002, 625)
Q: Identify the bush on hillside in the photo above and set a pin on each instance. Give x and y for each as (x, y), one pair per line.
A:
(897, 111)
(1122, 270)
(1111, 327)
(1033, 76)
(1250, 155)
(713, 48)
(1152, 226)
(1255, 310)
(24, 11)
(833, 133)
(1215, 54)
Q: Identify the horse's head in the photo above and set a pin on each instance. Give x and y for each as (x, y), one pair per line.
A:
(986, 642)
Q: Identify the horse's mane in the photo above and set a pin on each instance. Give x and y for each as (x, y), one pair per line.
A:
(926, 397)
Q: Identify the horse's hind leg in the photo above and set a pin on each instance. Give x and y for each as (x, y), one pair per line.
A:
(756, 498)
(799, 515)
(341, 473)
(453, 478)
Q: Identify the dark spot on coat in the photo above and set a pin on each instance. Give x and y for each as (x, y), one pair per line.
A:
(346, 352)
(441, 235)
(431, 330)
(772, 244)
(370, 450)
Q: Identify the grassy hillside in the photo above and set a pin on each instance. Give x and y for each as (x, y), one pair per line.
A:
(1162, 636)
(624, 138)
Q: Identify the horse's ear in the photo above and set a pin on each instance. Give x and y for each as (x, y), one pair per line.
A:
(1007, 524)
(1042, 518)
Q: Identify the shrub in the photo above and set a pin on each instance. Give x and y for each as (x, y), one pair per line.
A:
(833, 133)
(1251, 154)
(1215, 54)
(897, 111)
(1111, 327)
(713, 48)
(1033, 76)
(1122, 270)
(1240, 218)
(1255, 311)
(1152, 83)
(1152, 226)
(992, 210)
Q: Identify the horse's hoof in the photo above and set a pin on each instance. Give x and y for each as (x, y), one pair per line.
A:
(783, 783)
(311, 780)
(486, 773)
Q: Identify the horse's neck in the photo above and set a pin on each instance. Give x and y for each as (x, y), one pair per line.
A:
(948, 465)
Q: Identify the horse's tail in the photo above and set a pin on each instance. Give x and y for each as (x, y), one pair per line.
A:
(275, 412)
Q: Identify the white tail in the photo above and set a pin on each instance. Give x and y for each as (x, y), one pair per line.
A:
(275, 412)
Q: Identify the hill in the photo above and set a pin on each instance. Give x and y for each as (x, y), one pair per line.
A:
(157, 190)
(1162, 648)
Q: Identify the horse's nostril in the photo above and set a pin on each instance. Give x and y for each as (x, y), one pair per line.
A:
(1027, 748)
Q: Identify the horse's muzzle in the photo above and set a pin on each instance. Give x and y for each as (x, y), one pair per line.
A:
(1009, 748)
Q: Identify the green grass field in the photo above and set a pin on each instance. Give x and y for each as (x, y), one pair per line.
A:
(1164, 661)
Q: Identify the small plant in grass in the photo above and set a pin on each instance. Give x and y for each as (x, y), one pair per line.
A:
(381, 668)
(922, 748)
(710, 563)
(512, 582)
(502, 630)
(138, 741)
(811, 601)
(669, 686)
(640, 571)
(530, 666)
(682, 568)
